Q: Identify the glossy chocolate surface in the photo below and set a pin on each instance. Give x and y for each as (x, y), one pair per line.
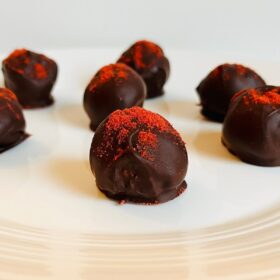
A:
(137, 156)
(115, 86)
(31, 77)
(252, 126)
(12, 123)
(149, 61)
(217, 89)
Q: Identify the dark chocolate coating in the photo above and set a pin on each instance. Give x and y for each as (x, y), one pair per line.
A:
(31, 77)
(12, 123)
(148, 60)
(251, 129)
(131, 176)
(104, 96)
(217, 89)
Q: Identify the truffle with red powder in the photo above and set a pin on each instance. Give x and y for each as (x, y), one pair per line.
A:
(12, 122)
(115, 86)
(31, 76)
(137, 156)
(149, 61)
(251, 128)
(217, 88)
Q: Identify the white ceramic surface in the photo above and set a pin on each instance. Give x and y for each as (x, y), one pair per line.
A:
(50, 207)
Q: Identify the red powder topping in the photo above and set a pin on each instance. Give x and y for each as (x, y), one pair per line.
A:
(123, 121)
(257, 97)
(17, 53)
(144, 54)
(225, 68)
(40, 71)
(121, 124)
(147, 140)
(117, 72)
(27, 63)
(7, 94)
(9, 97)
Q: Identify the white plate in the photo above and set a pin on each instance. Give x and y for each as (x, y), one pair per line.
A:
(55, 224)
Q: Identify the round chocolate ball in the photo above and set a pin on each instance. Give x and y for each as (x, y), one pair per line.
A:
(115, 86)
(148, 60)
(137, 156)
(217, 89)
(251, 128)
(31, 77)
(12, 123)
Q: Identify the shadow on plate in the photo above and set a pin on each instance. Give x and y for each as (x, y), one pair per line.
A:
(74, 114)
(76, 176)
(209, 143)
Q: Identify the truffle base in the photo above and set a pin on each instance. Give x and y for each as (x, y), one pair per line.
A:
(38, 104)
(122, 198)
(217, 117)
(23, 137)
(154, 94)
(250, 160)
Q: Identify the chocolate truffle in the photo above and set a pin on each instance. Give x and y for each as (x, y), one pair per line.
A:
(12, 123)
(31, 77)
(115, 86)
(137, 156)
(148, 60)
(252, 126)
(217, 89)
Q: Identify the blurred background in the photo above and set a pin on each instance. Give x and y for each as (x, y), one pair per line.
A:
(250, 26)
